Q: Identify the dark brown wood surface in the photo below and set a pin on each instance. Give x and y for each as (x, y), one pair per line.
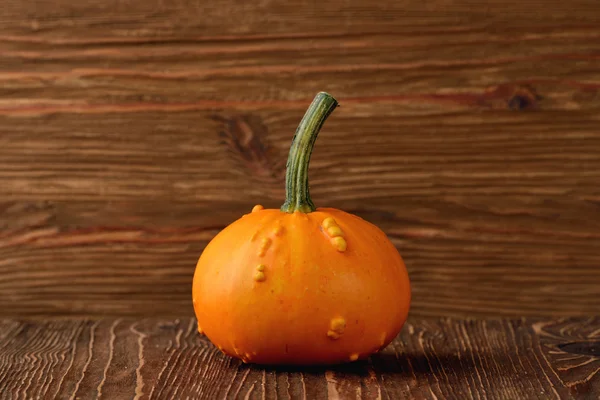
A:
(431, 359)
(132, 131)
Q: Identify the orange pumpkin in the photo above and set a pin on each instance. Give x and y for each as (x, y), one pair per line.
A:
(301, 285)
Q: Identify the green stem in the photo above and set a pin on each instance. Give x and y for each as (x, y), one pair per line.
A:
(297, 196)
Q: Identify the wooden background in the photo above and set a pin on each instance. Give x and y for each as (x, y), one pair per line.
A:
(131, 132)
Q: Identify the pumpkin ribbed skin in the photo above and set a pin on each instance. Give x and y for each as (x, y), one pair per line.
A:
(282, 288)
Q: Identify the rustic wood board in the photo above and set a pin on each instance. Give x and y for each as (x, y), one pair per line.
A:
(430, 359)
(131, 132)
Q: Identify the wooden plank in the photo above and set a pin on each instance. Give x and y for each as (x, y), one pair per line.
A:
(138, 20)
(430, 359)
(158, 56)
(368, 154)
(134, 82)
(552, 67)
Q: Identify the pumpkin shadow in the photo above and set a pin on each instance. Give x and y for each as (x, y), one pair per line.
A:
(418, 364)
(409, 366)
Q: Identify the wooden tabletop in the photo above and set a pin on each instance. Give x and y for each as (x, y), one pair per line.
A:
(430, 359)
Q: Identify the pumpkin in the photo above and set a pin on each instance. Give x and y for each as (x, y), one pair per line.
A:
(301, 285)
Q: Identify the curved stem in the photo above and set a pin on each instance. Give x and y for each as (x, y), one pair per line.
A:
(297, 196)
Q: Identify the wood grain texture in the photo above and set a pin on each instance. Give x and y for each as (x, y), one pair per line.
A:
(132, 132)
(430, 359)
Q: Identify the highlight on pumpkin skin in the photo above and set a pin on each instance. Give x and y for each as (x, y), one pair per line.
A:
(259, 276)
(329, 222)
(237, 351)
(337, 326)
(339, 243)
(266, 243)
(247, 358)
(278, 230)
(353, 356)
(257, 207)
(335, 233)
